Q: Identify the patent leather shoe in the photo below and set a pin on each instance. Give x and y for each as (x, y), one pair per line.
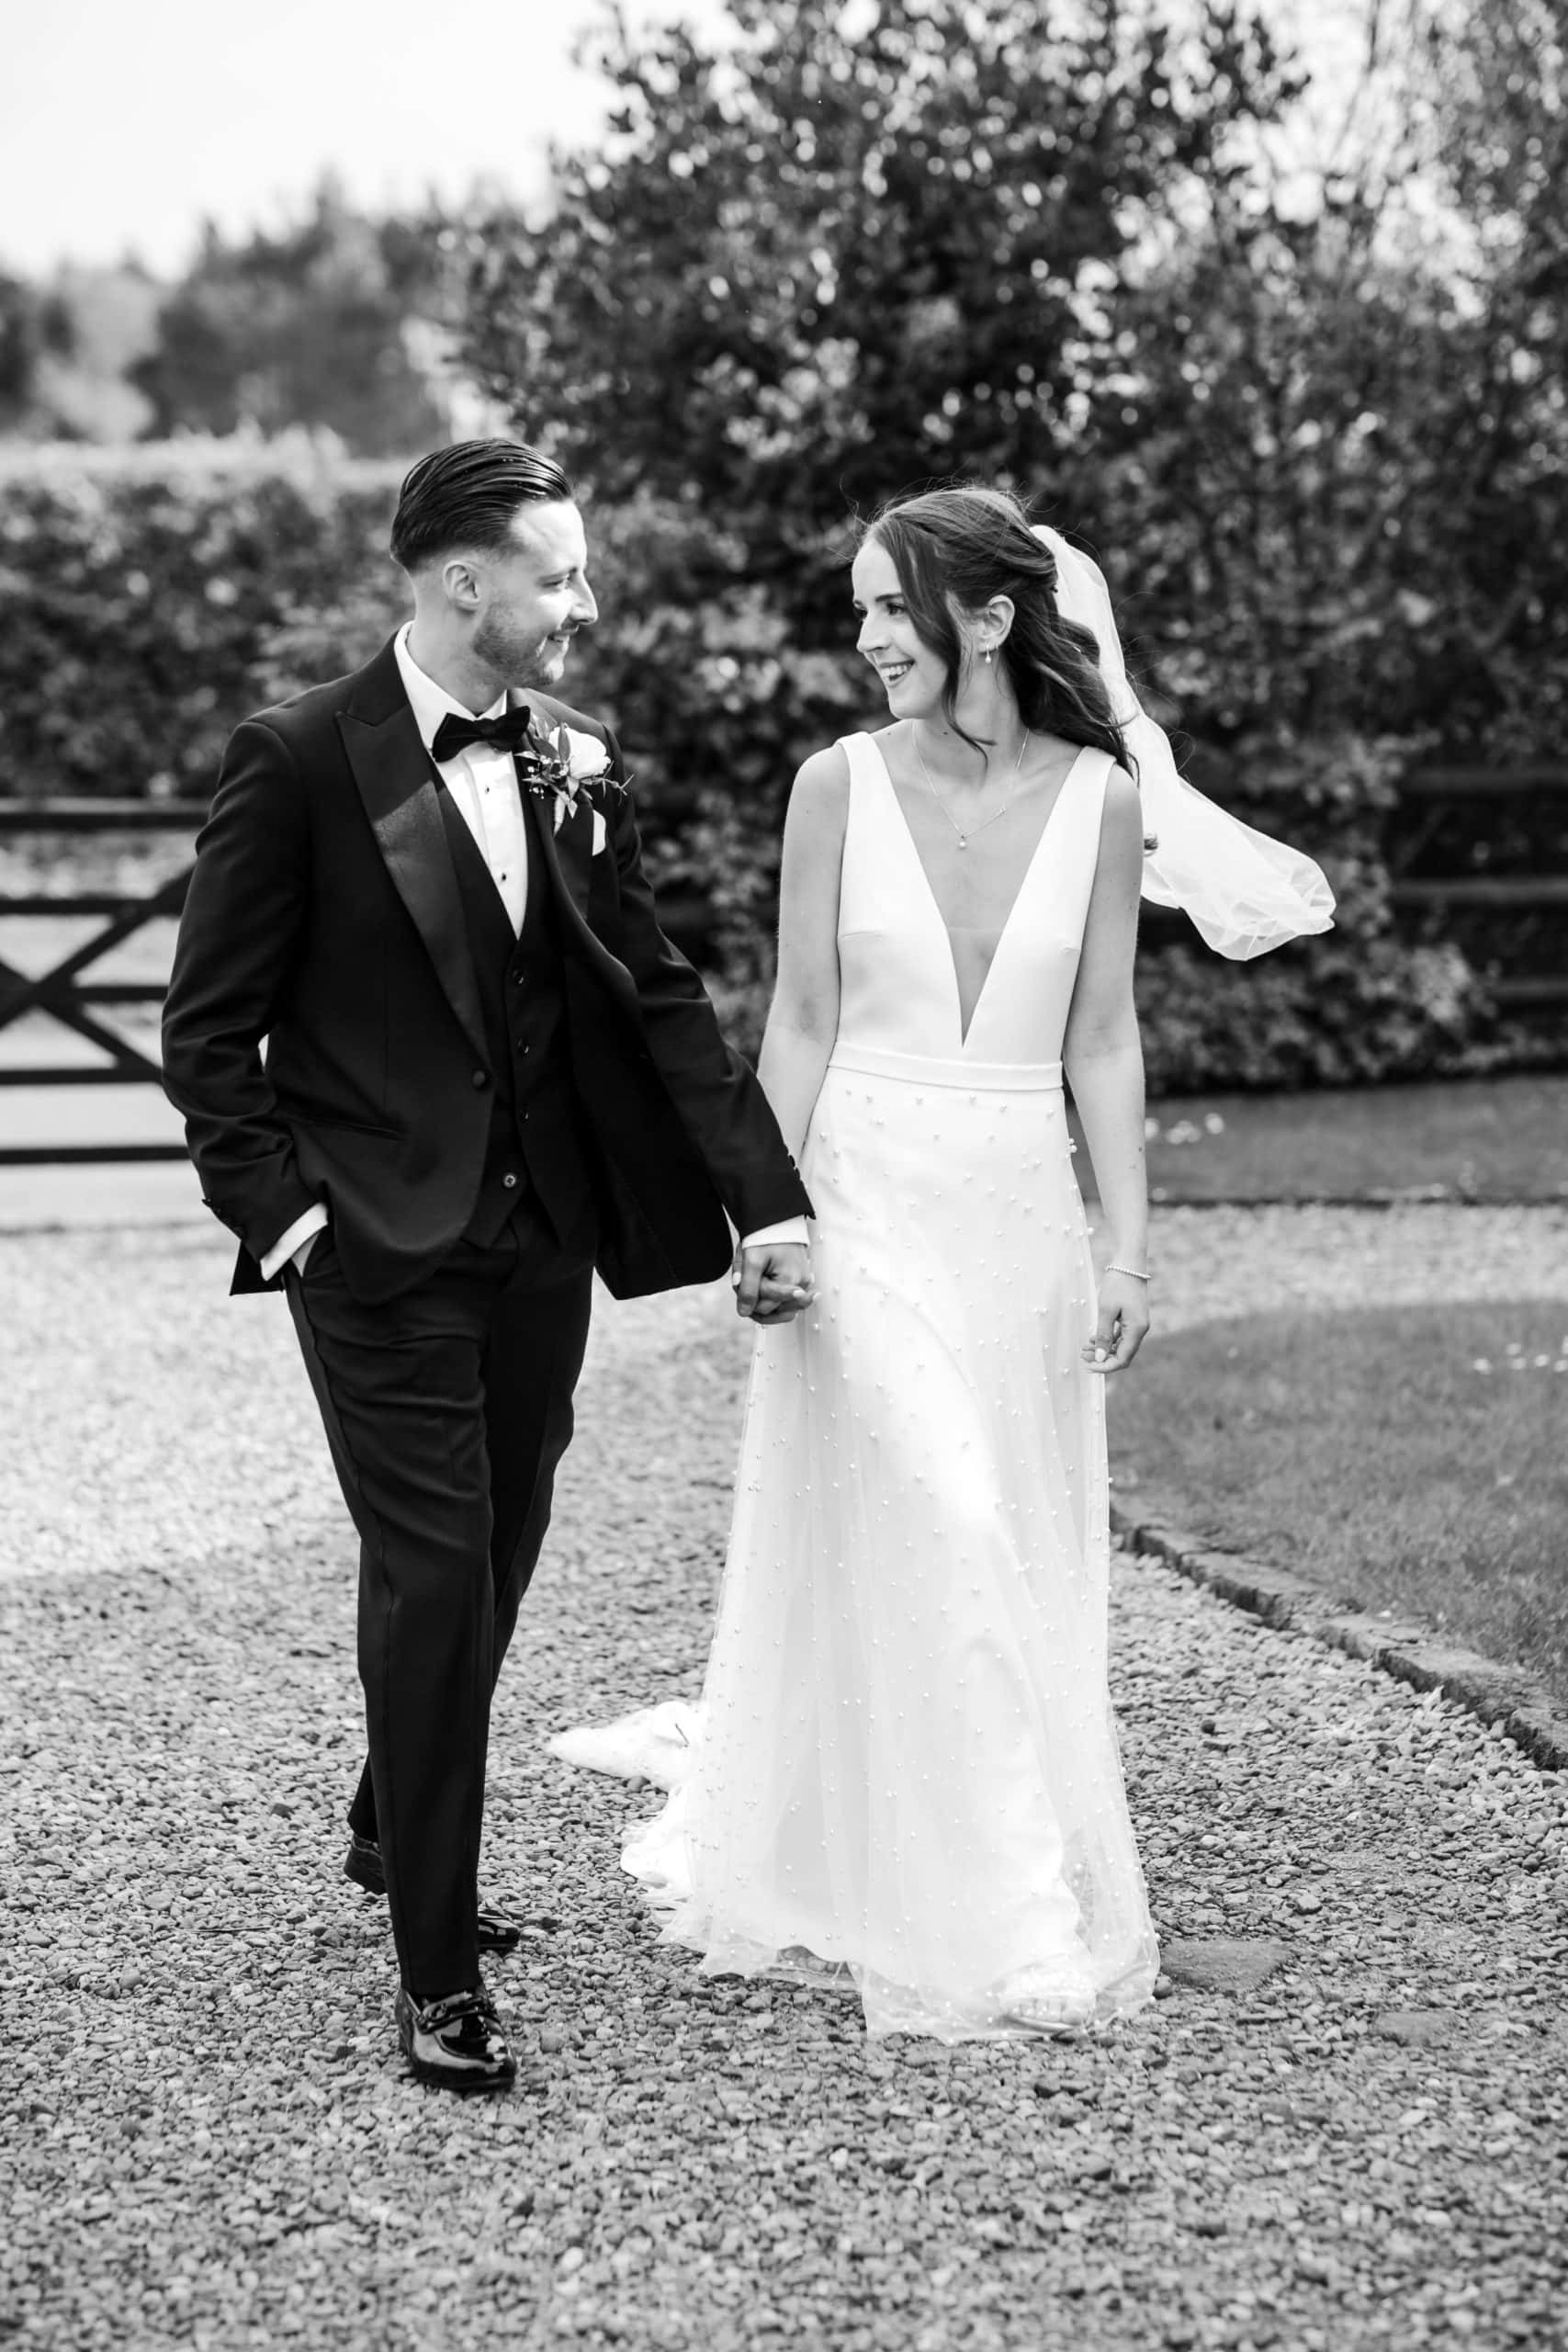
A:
(498, 1931)
(455, 2044)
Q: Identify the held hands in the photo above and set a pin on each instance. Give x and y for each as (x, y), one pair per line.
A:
(1121, 1324)
(772, 1284)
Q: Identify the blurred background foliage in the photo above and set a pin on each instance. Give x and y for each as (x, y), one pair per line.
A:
(151, 596)
(1308, 411)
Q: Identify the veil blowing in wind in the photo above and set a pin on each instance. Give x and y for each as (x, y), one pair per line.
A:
(1245, 892)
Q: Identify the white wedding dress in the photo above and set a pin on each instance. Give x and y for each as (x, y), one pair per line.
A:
(904, 1768)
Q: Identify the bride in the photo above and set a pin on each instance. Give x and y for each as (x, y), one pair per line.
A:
(904, 1773)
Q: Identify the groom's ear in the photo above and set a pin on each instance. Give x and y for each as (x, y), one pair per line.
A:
(460, 584)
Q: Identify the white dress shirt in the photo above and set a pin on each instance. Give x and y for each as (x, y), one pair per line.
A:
(482, 781)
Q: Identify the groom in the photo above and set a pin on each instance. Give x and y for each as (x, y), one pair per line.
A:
(487, 1072)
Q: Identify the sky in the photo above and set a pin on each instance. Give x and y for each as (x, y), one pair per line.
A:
(122, 126)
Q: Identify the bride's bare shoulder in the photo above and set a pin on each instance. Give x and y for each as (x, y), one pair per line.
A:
(1121, 836)
(1123, 805)
(821, 787)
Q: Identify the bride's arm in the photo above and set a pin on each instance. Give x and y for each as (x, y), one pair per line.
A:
(804, 1019)
(1103, 1061)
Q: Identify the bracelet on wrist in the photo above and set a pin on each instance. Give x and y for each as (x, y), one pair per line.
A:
(1131, 1270)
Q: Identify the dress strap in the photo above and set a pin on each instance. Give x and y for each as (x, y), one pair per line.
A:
(864, 852)
(1079, 819)
(1087, 815)
(866, 765)
(1099, 767)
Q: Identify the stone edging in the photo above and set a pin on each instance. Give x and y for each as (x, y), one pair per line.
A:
(1410, 1651)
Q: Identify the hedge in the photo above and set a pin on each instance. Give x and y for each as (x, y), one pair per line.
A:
(146, 594)
(150, 599)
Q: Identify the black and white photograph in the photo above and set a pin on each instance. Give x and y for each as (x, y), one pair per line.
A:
(783, 1176)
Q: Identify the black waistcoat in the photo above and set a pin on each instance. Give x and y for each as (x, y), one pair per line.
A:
(538, 1151)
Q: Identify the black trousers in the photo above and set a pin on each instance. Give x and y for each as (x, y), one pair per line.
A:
(448, 1410)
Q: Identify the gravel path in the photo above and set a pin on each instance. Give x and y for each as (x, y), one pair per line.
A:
(1355, 2131)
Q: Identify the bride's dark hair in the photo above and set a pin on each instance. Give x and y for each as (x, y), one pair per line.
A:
(960, 547)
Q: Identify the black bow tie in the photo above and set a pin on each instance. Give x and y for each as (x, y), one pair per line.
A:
(508, 733)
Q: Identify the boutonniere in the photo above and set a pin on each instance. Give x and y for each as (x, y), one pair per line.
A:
(559, 763)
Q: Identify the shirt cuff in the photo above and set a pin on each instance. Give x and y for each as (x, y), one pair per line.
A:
(791, 1233)
(313, 1221)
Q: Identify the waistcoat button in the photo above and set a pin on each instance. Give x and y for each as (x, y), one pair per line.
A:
(510, 1181)
(481, 1078)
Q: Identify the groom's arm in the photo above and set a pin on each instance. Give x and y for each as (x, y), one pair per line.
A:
(715, 1093)
(238, 939)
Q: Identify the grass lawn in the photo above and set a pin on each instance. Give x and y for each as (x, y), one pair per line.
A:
(1371, 1453)
(1485, 1139)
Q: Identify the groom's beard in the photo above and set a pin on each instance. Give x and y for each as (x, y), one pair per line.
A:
(517, 654)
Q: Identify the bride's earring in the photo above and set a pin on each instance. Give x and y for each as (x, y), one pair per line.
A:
(988, 652)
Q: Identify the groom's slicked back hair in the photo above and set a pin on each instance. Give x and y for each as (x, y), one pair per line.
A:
(466, 496)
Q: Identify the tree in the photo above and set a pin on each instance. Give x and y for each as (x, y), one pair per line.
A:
(317, 325)
(34, 327)
(851, 249)
(1340, 448)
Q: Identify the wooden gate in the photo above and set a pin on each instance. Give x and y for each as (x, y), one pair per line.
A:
(1453, 828)
(70, 991)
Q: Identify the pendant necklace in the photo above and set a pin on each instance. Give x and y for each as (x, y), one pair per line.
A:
(965, 838)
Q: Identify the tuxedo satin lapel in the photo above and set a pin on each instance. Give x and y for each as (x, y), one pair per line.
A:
(397, 784)
(566, 859)
(569, 854)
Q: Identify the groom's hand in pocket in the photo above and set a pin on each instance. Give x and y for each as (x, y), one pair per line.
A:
(773, 1283)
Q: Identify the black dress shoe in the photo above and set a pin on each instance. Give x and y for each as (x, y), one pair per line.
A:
(455, 2044)
(498, 1931)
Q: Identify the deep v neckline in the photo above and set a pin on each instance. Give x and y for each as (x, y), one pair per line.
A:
(965, 1029)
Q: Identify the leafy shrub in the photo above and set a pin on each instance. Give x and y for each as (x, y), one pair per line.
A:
(1329, 1011)
(146, 594)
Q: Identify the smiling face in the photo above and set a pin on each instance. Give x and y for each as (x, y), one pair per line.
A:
(913, 673)
(533, 597)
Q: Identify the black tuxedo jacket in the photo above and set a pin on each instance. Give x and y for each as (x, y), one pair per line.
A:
(323, 916)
